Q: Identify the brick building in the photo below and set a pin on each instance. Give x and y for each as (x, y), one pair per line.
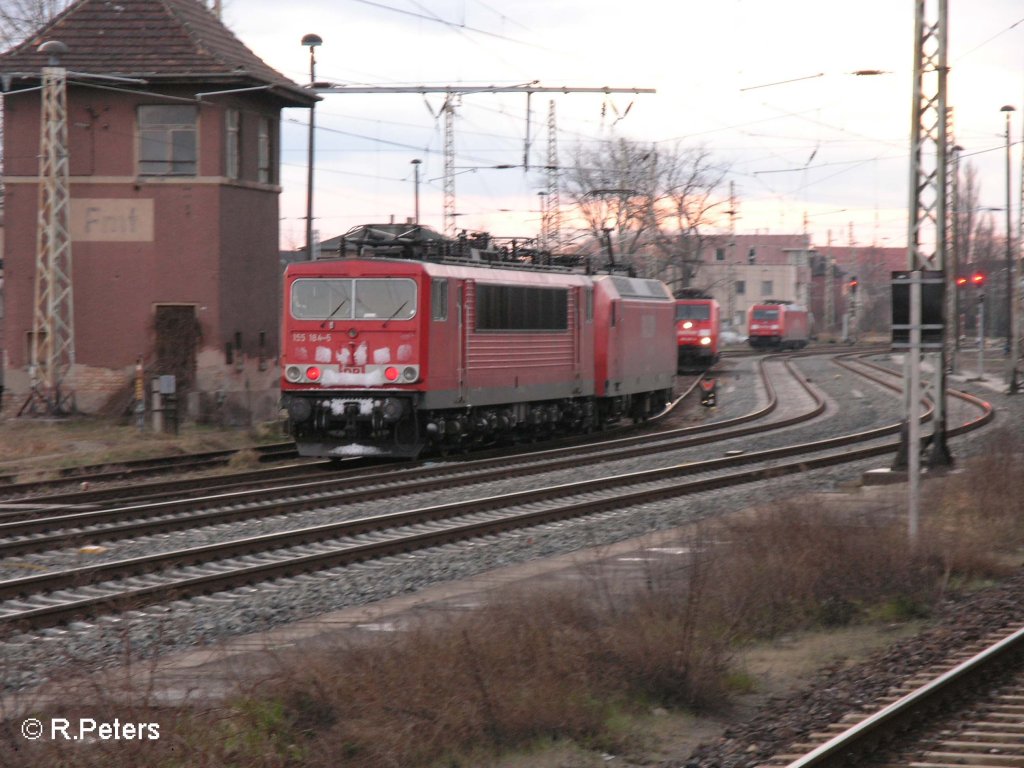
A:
(173, 142)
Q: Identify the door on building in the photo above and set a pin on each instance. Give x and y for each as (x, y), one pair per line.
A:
(177, 342)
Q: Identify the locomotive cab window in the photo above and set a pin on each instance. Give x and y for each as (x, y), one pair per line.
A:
(387, 299)
(766, 314)
(353, 299)
(693, 312)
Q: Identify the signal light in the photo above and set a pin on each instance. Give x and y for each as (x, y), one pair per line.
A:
(391, 373)
(978, 278)
(853, 283)
(313, 373)
(961, 281)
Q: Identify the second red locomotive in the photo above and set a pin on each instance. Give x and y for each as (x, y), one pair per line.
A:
(778, 325)
(698, 332)
(388, 357)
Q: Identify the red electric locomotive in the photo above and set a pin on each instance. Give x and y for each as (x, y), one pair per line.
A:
(698, 327)
(778, 325)
(388, 357)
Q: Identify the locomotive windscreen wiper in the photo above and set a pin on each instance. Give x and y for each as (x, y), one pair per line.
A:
(334, 312)
(395, 313)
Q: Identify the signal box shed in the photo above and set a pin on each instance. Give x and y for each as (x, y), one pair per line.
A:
(173, 155)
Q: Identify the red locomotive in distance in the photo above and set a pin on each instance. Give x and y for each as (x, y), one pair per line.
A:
(392, 356)
(778, 325)
(698, 332)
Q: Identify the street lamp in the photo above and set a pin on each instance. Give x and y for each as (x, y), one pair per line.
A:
(1011, 368)
(312, 41)
(416, 189)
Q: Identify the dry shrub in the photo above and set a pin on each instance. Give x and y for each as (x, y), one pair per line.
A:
(246, 458)
(790, 567)
(523, 669)
(974, 513)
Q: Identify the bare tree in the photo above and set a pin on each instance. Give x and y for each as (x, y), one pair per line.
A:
(613, 187)
(646, 207)
(20, 18)
(687, 210)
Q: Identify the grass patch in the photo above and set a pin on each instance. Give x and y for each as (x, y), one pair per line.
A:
(578, 668)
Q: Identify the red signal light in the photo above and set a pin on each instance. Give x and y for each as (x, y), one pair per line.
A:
(961, 281)
(978, 278)
(391, 373)
(313, 373)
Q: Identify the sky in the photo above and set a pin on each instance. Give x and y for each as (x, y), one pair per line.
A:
(766, 87)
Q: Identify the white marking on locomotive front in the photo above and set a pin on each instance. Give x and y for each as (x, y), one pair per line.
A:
(382, 356)
(323, 354)
(371, 378)
(345, 356)
(404, 353)
(361, 354)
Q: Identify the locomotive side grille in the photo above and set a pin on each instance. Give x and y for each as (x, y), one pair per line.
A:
(520, 349)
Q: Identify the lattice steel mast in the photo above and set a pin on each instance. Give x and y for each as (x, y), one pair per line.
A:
(927, 206)
(554, 204)
(53, 334)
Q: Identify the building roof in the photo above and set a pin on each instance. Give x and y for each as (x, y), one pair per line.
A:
(160, 41)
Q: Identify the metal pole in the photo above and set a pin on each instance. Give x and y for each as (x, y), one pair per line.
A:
(1011, 362)
(416, 189)
(312, 41)
(914, 402)
(981, 335)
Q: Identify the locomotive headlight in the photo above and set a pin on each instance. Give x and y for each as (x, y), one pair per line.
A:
(293, 373)
(688, 325)
(391, 373)
(705, 341)
(313, 373)
(410, 373)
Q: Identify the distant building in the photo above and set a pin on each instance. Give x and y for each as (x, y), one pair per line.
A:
(173, 146)
(742, 270)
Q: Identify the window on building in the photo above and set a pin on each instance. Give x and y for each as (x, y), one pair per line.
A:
(168, 140)
(752, 255)
(767, 288)
(741, 287)
(232, 147)
(265, 151)
(719, 254)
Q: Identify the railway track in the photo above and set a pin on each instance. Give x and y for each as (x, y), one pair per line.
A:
(37, 529)
(95, 485)
(967, 711)
(53, 598)
(133, 470)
